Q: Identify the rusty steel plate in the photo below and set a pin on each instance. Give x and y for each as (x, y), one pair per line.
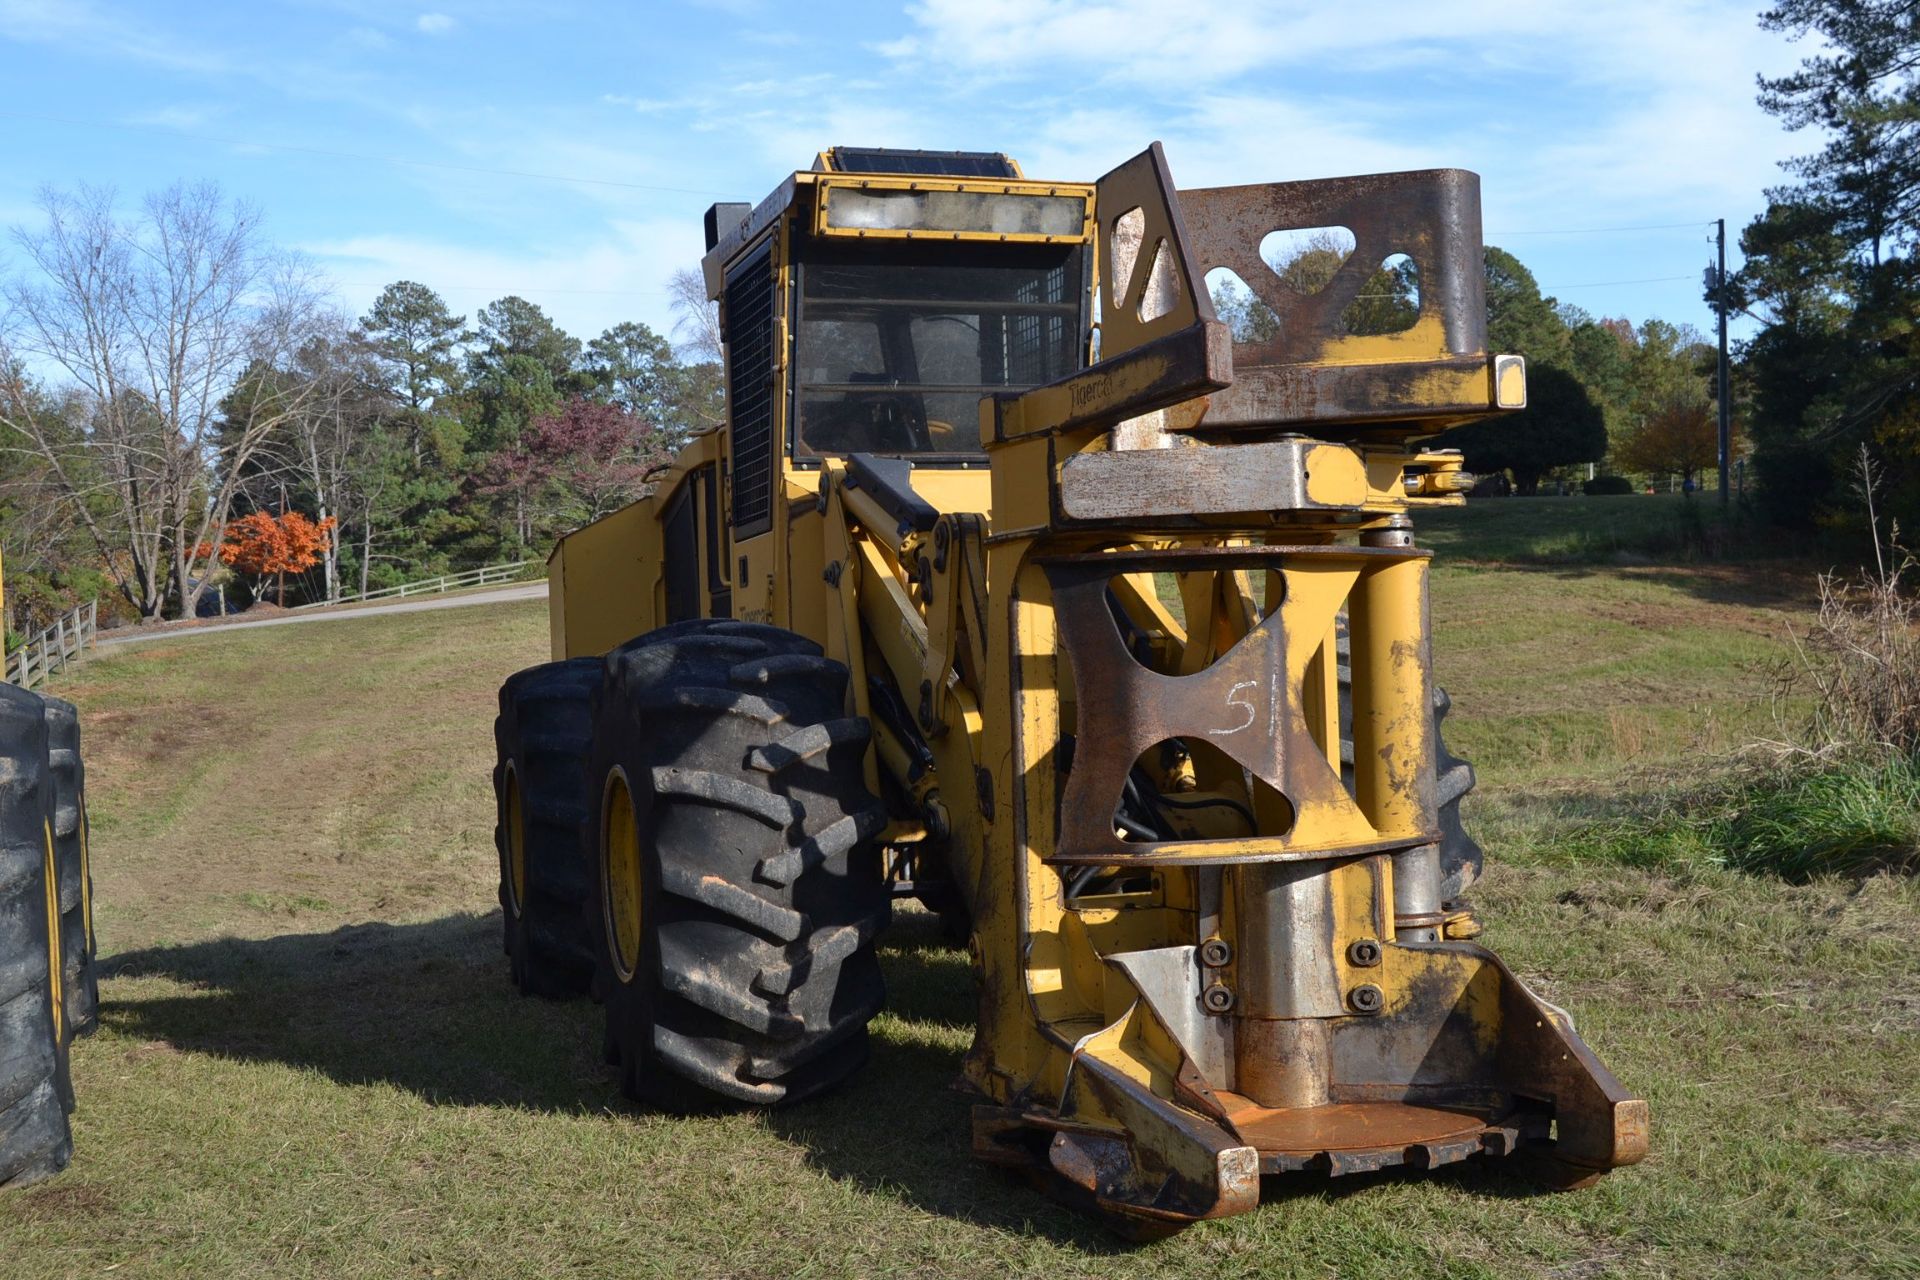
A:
(1358, 1137)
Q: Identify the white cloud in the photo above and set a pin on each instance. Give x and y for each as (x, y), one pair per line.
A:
(82, 24)
(1639, 105)
(434, 24)
(1162, 46)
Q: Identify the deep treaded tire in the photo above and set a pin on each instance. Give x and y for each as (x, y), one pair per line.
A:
(541, 794)
(79, 984)
(1460, 855)
(747, 973)
(1461, 858)
(35, 1090)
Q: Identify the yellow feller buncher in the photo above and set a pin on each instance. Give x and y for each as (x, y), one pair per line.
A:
(1014, 583)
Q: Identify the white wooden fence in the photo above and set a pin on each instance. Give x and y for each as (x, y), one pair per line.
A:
(491, 575)
(70, 636)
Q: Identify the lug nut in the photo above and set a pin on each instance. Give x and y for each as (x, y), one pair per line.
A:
(1217, 998)
(1364, 953)
(1365, 998)
(1216, 953)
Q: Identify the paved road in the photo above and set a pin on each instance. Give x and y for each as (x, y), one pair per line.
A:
(499, 595)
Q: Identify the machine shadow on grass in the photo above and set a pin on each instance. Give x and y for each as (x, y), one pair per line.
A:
(427, 1007)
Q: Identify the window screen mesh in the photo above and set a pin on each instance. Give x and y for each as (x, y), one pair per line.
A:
(898, 343)
(948, 164)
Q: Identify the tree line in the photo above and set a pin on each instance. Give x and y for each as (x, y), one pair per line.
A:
(171, 385)
(1638, 398)
(1830, 272)
(1830, 278)
(167, 373)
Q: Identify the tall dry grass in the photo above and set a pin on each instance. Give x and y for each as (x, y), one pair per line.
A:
(1859, 661)
(1838, 793)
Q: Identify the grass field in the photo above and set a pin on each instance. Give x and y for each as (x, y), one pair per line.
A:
(311, 1062)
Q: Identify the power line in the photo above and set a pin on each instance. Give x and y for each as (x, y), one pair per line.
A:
(1601, 284)
(354, 155)
(448, 166)
(602, 182)
(1604, 231)
(504, 290)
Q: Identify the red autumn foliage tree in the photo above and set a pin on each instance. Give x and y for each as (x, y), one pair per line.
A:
(576, 465)
(261, 544)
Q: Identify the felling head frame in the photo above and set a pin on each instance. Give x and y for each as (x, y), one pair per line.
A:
(1252, 704)
(1233, 806)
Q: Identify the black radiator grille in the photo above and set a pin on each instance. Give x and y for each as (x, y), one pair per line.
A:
(749, 335)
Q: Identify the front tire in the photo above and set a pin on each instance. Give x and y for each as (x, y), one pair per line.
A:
(739, 887)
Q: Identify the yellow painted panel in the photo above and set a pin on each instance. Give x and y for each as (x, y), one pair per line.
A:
(604, 581)
(753, 588)
(1335, 476)
(1023, 474)
(949, 489)
(805, 586)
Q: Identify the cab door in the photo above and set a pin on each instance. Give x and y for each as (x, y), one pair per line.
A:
(680, 543)
(719, 590)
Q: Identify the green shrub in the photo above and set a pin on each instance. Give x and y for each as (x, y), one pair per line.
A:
(1850, 817)
(1607, 486)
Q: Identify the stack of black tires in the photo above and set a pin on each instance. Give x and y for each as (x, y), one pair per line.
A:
(48, 992)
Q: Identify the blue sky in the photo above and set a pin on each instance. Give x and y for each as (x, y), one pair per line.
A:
(565, 151)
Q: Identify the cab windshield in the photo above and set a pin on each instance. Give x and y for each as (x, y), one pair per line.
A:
(896, 344)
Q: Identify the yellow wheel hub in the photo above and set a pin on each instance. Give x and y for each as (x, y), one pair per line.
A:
(54, 976)
(515, 820)
(620, 875)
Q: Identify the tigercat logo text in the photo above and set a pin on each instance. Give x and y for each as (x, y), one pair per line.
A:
(1094, 391)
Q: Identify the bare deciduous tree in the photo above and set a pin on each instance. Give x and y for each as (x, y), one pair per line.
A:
(698, 316)
(323, 438)
(170, 325)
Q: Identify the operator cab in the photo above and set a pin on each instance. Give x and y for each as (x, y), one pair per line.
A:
(908, 285)
(896, 343)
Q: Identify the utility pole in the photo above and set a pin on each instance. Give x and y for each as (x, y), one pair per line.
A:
(1726, 410)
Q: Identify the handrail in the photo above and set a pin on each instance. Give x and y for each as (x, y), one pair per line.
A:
(482, 577)
(70, 636)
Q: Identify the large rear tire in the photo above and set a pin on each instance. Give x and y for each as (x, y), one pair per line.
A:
(544, 824)
(1461, 858)
(36, 1092)
(739, 888)
(79, 984)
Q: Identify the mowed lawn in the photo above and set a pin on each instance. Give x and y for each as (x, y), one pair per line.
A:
(311, 1062)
